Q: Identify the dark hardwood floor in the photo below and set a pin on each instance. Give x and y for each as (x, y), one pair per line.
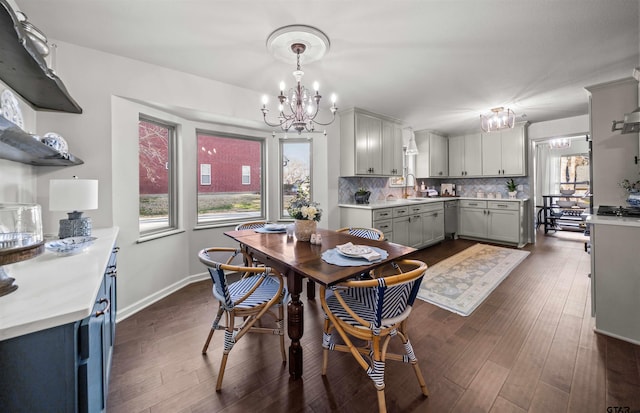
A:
(530, 347)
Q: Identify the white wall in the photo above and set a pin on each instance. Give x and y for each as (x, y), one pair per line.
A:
(112, 91)
(612, 152)
(559, 127)
(17, 180)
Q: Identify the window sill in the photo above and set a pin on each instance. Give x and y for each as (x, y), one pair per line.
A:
(151, 237)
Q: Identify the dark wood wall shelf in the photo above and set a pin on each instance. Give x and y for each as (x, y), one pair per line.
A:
(18, 145)
(25, 71)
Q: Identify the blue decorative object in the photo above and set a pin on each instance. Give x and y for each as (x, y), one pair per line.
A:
(70, 246)
(633, 199)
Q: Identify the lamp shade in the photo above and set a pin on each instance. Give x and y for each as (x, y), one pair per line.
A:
(73, 194)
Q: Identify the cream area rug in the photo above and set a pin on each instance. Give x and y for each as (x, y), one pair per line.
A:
(461, 282)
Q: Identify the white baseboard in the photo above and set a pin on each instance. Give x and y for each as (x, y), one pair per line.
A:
(123, 313)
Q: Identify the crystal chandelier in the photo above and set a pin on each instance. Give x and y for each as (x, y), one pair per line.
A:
(499, 118)
(560, 143)
(299, 107)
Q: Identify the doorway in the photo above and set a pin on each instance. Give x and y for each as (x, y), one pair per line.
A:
(562, 186)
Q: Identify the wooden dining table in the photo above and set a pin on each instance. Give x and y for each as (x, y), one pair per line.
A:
(297, 260)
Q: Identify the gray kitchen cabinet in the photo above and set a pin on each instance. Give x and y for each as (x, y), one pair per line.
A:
(504, 152)
(382, 220)
(465, 155)
(432, 223)
(391, 148)
(472, 220)
(369, 144)
(416, 226)
(426, 224)
(368, 141)
(401, 225)
(432, 160)
(498, 221)
(503, 222)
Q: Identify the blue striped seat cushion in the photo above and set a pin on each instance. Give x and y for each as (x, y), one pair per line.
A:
(261, 295)
(392, 301)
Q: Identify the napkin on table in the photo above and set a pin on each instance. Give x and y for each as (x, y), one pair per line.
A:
(372, 256)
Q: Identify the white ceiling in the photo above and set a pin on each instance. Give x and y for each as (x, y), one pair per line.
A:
(434, 64)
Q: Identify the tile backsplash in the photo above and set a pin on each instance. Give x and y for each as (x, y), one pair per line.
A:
(380, 188)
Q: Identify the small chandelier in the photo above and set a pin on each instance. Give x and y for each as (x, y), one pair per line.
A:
(301, 106)
(499, 118)
(560, 143)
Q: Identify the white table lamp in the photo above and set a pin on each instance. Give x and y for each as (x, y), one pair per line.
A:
(74, 195)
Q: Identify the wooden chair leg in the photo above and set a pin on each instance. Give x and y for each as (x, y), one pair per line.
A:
(214, 327)
(325, 349)
(382, 404)
(223, 364)
(206, 344)
(423, 385)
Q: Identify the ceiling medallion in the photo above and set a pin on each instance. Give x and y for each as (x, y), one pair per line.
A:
(298, 107)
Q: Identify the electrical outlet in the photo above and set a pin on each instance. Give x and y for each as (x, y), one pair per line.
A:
(520, 187)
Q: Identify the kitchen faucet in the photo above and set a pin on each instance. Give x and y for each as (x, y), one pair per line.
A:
(406, 180)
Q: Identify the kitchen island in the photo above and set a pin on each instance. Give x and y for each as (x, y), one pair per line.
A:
(615, 276)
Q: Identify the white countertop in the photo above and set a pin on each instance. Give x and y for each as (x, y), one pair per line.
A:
(608, 220)
(55, 290)
(412, 201)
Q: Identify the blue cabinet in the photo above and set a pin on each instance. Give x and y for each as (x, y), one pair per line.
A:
(64, 368)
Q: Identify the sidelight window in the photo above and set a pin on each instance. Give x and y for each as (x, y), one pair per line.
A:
(157, 176)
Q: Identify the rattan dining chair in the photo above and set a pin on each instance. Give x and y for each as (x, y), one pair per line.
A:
(368, 233)
(259, 291)
(251, 225)
(374, 311)
(363, 232)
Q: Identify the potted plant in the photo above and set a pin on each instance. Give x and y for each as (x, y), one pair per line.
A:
(362, 196)
(512, 188)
